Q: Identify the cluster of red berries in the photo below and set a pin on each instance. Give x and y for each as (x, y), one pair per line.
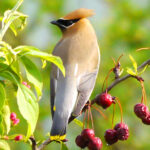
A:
(14, 119)
(143, 113)
(88, 139)
(120, 132)
(26, 84)
(105, 100)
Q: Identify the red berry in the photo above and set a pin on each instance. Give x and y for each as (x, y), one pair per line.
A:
(111, 136)
(28, 86)
(95, 144)
(13, 116)
(16, 121)
(81, 142)
(122, 131)
(88, 134)
(105, 100)
(146, 120)
(18, 137)
(121, 125)
(141, 111)
(24, 83)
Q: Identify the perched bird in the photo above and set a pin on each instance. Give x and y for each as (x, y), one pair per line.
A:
(79, 51)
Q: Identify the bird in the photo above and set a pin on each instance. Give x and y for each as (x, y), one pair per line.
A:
(79, 51)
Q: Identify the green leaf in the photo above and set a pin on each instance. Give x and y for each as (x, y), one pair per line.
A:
(131, 72)
(2, 96)
(32, 51)
(12, 16)
(33, 75)
(4, 145)
(78, 122)
(64, 146)
(6, 118)
(1, 125)
(143, 70)
(134, 63)
(28, 107)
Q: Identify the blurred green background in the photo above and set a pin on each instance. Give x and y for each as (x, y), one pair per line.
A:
(122, 26)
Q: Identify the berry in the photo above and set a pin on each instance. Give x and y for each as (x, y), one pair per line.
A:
(16, 121)
(24, 83)
(18, 137)
(95, 144)
(28, 86)
(121, 125)
(141, 111)
(146, 120)
(13, 116)
(105, 100)
(122, 131)
(81, 142)
(111, 136)
(88, 134)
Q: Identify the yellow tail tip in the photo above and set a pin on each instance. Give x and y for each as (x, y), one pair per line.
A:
(57, 137)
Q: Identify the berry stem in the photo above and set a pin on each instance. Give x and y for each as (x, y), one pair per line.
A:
(144, 98)
(88, 117)
(101, 113)
(118, 101)
(113, 116)
(106, 79)
(84, 118)
(91, 117)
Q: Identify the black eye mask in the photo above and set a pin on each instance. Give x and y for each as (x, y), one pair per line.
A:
(67, 23)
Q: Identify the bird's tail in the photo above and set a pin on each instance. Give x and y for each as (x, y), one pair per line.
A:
(65, 100)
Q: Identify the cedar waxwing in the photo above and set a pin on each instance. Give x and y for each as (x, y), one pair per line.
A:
(79, 51)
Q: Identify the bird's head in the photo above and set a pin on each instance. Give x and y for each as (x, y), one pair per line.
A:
(72, 18)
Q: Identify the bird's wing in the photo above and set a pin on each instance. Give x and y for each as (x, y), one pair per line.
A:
(85, 89)
(53, 85)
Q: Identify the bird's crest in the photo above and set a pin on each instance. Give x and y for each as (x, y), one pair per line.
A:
(80, 13)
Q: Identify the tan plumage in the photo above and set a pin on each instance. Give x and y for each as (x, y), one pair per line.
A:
(78, 49)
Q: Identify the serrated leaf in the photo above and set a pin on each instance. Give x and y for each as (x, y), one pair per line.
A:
(4, 145)
(131, 72)
(33, 75)
(78, 122)
(6, 117)
(31, 51)
(133, 63)
(64, 146)
(28, 107)
(2, 96)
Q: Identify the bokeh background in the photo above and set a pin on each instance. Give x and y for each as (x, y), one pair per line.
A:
(122, 26)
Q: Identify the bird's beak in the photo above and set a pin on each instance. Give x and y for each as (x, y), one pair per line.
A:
(55, 22)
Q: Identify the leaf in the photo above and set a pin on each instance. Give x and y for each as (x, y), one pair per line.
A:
(78, 122)
(131, 72)
(143, 70)
(32, 51)
(2, 96)
(1, 125)
(4, 145)
(28, 107)
(12, 16)
(63, 146)
(6, 118)
(134, 63)
(33, 75)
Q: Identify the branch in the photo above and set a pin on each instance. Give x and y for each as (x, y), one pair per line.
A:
(117, 81)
